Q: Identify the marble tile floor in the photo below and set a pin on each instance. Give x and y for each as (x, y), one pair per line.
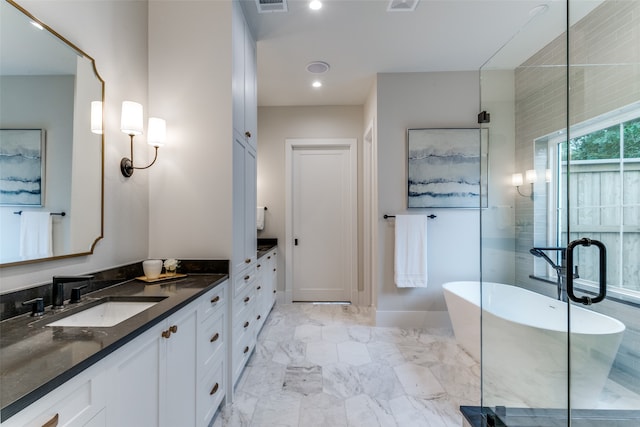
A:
(325, 365)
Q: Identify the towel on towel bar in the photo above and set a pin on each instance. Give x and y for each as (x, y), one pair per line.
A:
(260, 217)
(36, 238)
(411, 251)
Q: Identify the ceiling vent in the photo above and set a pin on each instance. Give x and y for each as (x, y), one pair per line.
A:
(402, 5)
(267, 6)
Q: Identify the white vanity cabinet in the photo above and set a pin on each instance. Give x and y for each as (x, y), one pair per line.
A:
(173, 374)
(243, 322)
(266, 281)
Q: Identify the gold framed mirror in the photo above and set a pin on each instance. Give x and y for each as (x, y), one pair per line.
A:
(51, 189)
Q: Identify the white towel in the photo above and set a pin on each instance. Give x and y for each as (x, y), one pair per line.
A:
(411, 251)
(36, 239)
(260, 217)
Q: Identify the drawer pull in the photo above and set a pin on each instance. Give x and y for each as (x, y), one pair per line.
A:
(246, 299)
(274, 291)
(247, 277)
(214, 389)
(259, 287)
(247, 134)
(53, 422)
(246, 350)
(215, 299)
(269, 257)
(166, 334)
(174, 328)
(274, 269)
(259, 265)
(247, 261)
(246, 324)
(259, 317)
(215, 337)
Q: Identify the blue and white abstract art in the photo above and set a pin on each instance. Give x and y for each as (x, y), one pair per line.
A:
(21, 167)
(447, 168)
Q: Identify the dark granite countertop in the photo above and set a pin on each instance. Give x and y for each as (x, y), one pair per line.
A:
(265, 245)
(35, 358)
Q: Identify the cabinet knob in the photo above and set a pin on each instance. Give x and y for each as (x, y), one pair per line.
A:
(174, 328)
(215, 337)
(214, 389)
(246, 350)
(259, 265)
(246, 325)
(215, 299)
(53, 422)
(246, 299)
(259, 287)
(247, 261)
(247, 134)
(269, 257)
(274, 291)
(166, 334)
(247, 277)
(274, 269)
(259, 317)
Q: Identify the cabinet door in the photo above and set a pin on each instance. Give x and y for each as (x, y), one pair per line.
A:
(251, 232)
(244, 204)
(136, 381)
(178, 398)
(237, 75)
(250, 90)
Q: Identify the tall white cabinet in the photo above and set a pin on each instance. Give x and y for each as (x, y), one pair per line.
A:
(245, 108)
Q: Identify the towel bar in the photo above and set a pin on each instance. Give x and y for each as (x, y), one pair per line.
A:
(432, 216)
(52, 213)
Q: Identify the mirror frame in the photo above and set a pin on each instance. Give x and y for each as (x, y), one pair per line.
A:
(83, 54)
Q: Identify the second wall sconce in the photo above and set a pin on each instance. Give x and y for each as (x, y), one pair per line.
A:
(131, 123)
(516, 180)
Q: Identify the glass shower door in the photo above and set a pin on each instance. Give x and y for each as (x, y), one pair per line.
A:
(600, 175)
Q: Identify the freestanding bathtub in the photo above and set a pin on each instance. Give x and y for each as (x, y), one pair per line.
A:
(525, 341)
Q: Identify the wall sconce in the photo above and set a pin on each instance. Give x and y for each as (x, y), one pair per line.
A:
(131, 124)
(530, 176)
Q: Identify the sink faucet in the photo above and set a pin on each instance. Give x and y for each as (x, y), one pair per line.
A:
(57, 296)
(560, 270)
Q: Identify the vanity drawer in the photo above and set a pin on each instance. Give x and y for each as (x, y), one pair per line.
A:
(212, 302)
(243, 280)
(211, 390)
(211, 340)
(241, 351)
(244, 306)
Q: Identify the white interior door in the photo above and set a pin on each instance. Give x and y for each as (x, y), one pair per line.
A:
(322, 220)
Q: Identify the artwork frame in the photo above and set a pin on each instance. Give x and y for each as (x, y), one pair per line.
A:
(447, 167)
(22, 167)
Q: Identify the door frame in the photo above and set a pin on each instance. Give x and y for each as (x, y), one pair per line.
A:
(320, 143)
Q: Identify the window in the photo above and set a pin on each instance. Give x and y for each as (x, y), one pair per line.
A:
(604, 197)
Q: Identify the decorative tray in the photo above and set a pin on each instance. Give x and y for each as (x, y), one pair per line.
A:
(162, 277)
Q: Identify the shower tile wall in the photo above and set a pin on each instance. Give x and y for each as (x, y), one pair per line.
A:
(606, 35)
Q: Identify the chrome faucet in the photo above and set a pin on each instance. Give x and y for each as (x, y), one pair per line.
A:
(561, 270)
(57, 294)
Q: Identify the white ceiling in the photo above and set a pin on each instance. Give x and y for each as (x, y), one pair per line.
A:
(359, 38)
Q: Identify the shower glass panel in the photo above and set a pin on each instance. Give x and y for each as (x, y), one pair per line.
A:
(563, 96)
(525, 339)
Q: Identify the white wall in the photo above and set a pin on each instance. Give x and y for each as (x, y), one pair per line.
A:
(275, 124)
(115, 34)
(422, 100)
(190, 191)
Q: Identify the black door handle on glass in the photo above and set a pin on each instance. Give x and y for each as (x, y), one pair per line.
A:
(603, 271)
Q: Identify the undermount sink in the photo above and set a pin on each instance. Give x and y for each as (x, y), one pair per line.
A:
(106, 313)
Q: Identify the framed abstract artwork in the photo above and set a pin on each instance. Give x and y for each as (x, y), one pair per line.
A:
(447, 168)
(22, 167)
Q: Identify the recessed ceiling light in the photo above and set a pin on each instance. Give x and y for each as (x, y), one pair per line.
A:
(316, 84)
(317, 67)
(315, 5)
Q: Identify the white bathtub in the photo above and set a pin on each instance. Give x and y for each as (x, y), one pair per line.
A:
(524, 345)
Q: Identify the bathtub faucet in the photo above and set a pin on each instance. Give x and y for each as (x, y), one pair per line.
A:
(560, 270)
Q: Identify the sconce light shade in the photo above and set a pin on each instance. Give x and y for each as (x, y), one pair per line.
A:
(96, 117)
(131, 121)
(157, 132)
(516, 179)
(531, 176)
